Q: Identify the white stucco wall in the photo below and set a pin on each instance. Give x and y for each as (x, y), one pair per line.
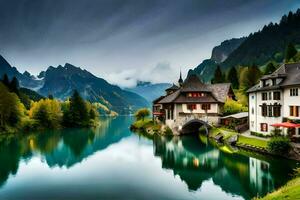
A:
(256, 118)
(290, 101)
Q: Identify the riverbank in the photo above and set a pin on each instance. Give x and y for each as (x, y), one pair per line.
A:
(149, 127)
(290, 191)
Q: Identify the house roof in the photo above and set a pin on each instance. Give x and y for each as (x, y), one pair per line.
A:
(237, 115)
(194, 84)
(173, 87)
(290, 73)
(216, 92)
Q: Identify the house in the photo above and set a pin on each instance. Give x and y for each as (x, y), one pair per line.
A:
(238, 121)
(275, 101)
(192, 99)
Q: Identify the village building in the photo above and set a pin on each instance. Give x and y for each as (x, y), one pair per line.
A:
(275, 102)
(192, 99)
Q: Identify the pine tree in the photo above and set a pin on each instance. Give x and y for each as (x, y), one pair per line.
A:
(218, 76)
(14, 85)
(290, 52)
(233, 78)
(270, 68)
(5, 80)
(78, 112)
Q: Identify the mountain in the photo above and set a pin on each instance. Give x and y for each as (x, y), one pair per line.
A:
(258, 48)
(25, 79)
(149, 90)
(62, 80)
(268, 43)
(206, 69)
(221, 52)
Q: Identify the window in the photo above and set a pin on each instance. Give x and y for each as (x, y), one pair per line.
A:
(264, 110)
(195, 94)
(205, 106)
(291, 111)
(270, 111)
(264, 96)
(264, 127)
(191, 106)
(294, 111)
(252, 111)
(276, 110)
(276, 95)
(273, 81)
(252, 96)
(270, 95)
(294, 92)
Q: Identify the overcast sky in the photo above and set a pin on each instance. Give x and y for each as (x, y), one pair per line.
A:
(126, 40)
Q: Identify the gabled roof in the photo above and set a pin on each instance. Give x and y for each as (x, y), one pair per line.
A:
(193, 84)
(216, 92)
(170, 98)
(290, 73)
(220, 91)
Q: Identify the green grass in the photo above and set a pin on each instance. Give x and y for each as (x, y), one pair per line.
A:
(252, 141)
(290, 191)
(225, 131)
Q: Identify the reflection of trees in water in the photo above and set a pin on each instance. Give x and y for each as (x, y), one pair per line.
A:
(196, 162)
(11, 151)
(61, 148)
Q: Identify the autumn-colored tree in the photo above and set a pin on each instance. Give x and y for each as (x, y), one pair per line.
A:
(142, 113)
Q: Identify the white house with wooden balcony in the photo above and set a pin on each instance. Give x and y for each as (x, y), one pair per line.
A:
(275, 101)
(192, 99)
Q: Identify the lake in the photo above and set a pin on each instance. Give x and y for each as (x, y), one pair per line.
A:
(110, 162)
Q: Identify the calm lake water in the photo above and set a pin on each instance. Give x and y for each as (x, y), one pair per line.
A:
(113, 163)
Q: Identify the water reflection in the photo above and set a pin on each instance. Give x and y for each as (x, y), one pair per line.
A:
(241, 174)
(195, 160)
(60, 148)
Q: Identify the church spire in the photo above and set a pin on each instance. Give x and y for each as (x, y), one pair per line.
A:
(180, 81)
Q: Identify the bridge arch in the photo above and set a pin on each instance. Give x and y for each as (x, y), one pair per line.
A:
(193, 126)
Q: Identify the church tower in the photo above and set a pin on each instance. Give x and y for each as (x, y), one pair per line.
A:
(180, 81)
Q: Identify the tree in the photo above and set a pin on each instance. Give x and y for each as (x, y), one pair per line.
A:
(11, 109)
(47, 113)
(5, 80)
(14, 85)
(233, 78)
(141, 114)
(50, 96)
(218, 75)
(270, 68)
(290, 52)
(249, 77)
(77, 114)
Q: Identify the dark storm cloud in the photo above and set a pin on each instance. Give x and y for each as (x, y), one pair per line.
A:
(110, 36)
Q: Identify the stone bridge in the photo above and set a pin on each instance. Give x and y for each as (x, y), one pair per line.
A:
(190, 125)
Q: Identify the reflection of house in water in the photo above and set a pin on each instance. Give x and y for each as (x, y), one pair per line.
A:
(260, 176)
(195, 163)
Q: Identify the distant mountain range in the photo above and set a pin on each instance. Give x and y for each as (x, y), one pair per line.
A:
(62, 80)
(149, 90)
(258, 48)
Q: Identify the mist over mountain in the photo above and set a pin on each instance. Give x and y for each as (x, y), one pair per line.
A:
(149, 90)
